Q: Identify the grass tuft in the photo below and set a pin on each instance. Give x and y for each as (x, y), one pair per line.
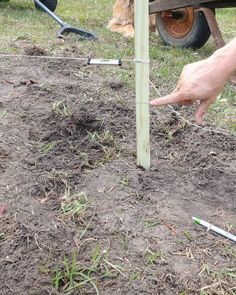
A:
(74, 205)
(60, 109)
(73, 276)
(46, 148)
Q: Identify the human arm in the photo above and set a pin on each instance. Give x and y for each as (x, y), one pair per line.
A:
(203, 81)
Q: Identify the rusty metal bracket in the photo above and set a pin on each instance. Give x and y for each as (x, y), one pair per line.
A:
(215, 31)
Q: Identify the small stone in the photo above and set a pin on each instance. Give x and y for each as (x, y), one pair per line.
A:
(3, 209)
(4, 150)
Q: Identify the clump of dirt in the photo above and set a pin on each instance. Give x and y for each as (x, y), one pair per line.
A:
(35, 51)
(116, 84)
(74, 198)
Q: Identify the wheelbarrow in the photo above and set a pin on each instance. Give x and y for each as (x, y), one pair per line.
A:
(188, 23)
(50, 4)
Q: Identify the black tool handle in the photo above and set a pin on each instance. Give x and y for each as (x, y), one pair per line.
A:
(57, 19)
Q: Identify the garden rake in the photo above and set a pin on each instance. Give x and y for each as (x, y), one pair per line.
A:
(65, 27)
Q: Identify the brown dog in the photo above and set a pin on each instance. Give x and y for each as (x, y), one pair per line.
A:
(123, 18)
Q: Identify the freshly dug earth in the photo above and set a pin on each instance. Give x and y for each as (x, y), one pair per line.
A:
(75, 208)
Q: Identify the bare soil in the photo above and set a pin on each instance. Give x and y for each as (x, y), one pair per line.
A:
(66, 129)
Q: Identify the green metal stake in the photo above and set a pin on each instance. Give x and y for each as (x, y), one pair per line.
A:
(141, 19)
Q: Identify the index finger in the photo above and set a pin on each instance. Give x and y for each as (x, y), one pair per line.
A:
(175, 97)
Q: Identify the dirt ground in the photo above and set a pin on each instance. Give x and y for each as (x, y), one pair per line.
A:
(67, 135)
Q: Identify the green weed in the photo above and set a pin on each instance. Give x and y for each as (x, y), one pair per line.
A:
(188, 235)
(46, 148)
(124, 241)
(72, 275)
(150, 223)
(58, 276)
(3, 114)
(74, 205)
(153, 257)
(60, 109)
(108, 145)
(96, 256)
(135, 275)
(231, 252)
(125, 180)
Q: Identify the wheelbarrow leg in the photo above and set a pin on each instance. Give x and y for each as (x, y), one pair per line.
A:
(215, 31)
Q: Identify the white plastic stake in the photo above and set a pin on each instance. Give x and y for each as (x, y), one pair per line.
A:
(215, 229)
(141, 19)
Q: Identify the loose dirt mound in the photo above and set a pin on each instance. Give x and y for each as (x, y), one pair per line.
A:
(78, 210)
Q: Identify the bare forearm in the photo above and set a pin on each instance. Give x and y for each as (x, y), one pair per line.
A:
(225, 58)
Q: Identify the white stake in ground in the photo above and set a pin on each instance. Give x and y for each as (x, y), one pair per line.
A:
(211, 227)
(141, 20)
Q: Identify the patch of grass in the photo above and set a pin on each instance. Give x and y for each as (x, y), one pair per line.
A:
(60, 109)
(222, 112)
(84, 158)
(153, 256)
(3, 114)
(125, 180)
(72, 275)
(108, 144)
(124, 241)
(150, 223)
(101, 263)
(47, 147)
(220, 281)
(104, 138)
(2, 236)
(188, 235)
(134, 276)
(229, 226)
(231, 252)
(74, 205)
(45, 267)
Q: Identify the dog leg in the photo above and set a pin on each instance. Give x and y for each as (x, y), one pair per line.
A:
(123, 18)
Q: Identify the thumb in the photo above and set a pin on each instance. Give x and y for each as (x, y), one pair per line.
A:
(202, 109)
(172, 98)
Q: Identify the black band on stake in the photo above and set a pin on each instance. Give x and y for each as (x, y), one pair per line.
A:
(104, 62)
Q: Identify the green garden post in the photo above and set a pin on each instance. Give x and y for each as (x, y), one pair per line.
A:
(141, 19)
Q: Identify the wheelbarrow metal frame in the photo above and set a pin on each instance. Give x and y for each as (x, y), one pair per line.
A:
(205, 6)
(162, 5)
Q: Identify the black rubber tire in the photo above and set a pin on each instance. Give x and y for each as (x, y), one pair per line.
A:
(51, 4)
(196, 38)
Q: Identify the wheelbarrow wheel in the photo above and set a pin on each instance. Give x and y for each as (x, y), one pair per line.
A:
(50, 4)
(183, 28)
